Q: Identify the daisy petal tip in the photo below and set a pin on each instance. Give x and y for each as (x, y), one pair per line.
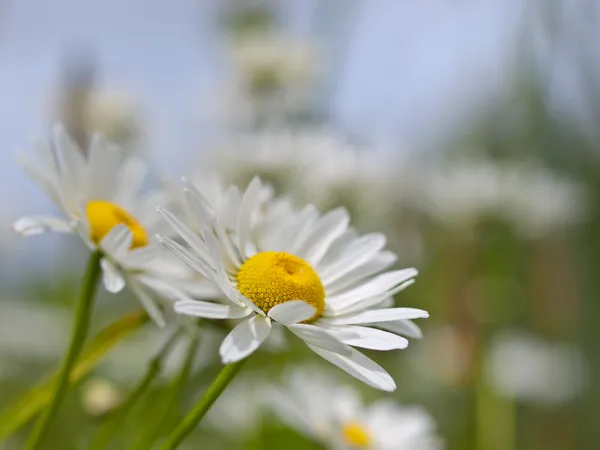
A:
(389, 388)
(19, 227)
(423, 315)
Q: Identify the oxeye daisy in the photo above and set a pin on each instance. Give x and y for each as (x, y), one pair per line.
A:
(334, 415)
(100, 198)
(307, 272)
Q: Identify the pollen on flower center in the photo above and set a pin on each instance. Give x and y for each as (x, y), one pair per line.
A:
(103, 216)
(272, 278)
(356, 435)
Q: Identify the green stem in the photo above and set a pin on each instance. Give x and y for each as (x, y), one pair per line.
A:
(194, 417)
(79, 333)
(110, 426)
(165, 414)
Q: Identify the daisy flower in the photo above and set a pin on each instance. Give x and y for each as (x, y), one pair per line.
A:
(334, 415)
(100, 199)
(273, 75)
(307, 272)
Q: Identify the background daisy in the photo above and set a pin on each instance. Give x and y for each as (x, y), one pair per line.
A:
(317, 406)
(99, 193)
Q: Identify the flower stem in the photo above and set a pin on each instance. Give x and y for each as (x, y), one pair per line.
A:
(110, 426)
(194, 417)
(79, 333)
(169, 408)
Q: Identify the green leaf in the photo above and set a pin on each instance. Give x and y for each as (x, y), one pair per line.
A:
(22, 410)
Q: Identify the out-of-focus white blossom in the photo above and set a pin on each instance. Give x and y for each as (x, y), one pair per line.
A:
(113, 114)
(102, 198)
(312, 165)
(531, 198)
(530, 369)
(332, 414)
(273, 76)
(100, 397)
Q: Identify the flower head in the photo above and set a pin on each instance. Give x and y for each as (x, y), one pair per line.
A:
(310, 273)
(100, 198)
(334, 415)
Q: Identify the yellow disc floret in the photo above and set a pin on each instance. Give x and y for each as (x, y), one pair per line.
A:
(356, 435)
(103, 216)
(272, 278)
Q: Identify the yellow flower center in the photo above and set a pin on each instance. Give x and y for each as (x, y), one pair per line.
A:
(272, 278)
(356, 435)
(103, 216)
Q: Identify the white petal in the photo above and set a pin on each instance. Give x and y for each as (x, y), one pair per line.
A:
(338, 248)
(45, 176)
(247, 206)
(44, 169)
(105, 161)
(289, 412)
(149, 304)
(381, 284)
(359, 252)
(118, 240)
(142, 256)
(291, 312)
(73, 164)
(131, 177)
(193, 240)
(200, 290)
(230, 251)
(198, 206)
(377, 264)
(210, 310)
(403, 327)
(186, 256)
(360, 367)
(111, 277)
(245, 301)
(221, 278)
(319, 337)
(245, 339)
(288, 234)
(230, 208)
(384, 300)
(31, 225)
(331, 226)
(368, 338)
(278, 211)
(379, 315)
